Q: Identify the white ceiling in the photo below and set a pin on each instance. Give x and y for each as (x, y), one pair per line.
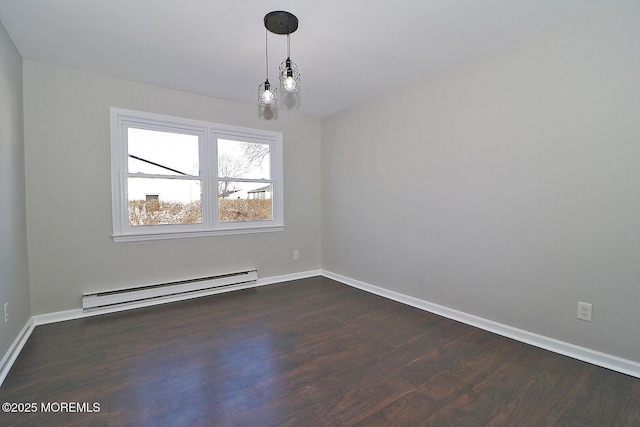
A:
(347, 50)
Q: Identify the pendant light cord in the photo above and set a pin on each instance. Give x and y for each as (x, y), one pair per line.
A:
(266, 52)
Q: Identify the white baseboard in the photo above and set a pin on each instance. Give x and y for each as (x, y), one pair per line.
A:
(594, 357)
(289, 277)
(16, 347)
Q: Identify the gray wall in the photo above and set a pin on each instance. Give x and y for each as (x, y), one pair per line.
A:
(14, 279)
(69, 191)
(507, 187)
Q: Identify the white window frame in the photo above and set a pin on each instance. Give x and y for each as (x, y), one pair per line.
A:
(207, 133)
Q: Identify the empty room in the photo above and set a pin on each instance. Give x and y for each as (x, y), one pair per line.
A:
(278, 213)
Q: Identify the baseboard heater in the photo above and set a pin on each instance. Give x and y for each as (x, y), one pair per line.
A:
(167, 292)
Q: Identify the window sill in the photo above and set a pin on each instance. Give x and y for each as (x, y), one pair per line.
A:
(141, 237)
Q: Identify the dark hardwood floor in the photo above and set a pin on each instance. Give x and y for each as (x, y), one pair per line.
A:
(307, 353)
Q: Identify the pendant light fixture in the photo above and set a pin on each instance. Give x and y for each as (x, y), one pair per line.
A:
(289, 75)
(283, 23)
(266, 94)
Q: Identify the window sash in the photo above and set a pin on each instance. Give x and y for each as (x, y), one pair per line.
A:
(208, 135)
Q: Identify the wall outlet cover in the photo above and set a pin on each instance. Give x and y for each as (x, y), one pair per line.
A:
(584, 311)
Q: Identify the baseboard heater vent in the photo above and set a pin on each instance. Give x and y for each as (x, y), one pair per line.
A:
(166, 292)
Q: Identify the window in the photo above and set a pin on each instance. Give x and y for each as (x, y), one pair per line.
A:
(174, 177)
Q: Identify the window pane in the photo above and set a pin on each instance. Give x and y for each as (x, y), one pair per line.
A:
(162, 153)
(239, 159)
(164, 201)
(244, 201)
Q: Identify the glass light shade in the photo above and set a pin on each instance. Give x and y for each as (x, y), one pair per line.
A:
(289, 76)
(289, 84)
(266, 94)
(267, 97)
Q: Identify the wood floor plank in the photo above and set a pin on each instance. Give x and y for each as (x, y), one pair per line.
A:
(409, 409)
(599, 400)
(359, 403)
(630, 414)
(543, 400)
(495, 386)
(311, 352)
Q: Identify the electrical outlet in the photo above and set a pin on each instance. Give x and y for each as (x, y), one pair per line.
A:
(584, 311)
(6, 312)
(296, 254)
